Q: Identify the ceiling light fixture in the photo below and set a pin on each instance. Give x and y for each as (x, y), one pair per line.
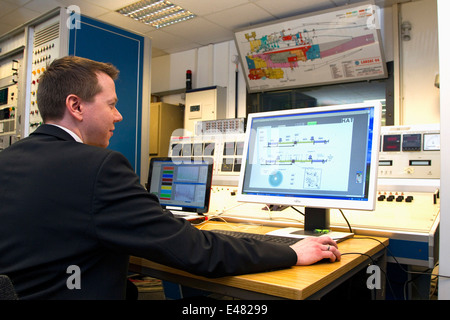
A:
(157, 13)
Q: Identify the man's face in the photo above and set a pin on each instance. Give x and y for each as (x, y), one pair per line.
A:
(101, 114)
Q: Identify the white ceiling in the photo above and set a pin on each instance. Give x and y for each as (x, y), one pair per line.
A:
(215, 22)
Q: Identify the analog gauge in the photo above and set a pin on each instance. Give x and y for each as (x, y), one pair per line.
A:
(431, 142)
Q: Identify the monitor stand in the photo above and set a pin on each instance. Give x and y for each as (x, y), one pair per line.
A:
(317, 220)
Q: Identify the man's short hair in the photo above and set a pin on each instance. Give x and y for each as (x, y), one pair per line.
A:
(69, 75)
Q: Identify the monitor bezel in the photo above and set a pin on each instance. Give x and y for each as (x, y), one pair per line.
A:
(307, 200)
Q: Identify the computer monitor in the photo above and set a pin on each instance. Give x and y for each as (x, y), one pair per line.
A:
(182, 184)
(319, 158)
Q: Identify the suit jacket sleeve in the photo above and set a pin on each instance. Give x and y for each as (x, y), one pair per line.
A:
(130, 220)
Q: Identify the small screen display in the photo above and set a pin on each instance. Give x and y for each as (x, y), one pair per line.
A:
(391, 142)
(195, 108)
(412, 142)
(181, 183)
(3, 96)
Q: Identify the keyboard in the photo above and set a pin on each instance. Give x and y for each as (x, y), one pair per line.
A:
(262, 237)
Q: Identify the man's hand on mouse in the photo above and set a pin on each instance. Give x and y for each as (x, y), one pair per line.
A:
(313, 249)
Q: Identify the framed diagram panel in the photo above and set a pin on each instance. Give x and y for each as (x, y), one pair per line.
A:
(339, 45)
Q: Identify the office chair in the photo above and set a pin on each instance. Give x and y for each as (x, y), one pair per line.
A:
(7, 291)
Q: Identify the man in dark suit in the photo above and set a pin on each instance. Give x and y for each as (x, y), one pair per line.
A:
(73, 211)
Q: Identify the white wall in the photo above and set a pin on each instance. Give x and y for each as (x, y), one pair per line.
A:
(212, 65)
(169, 71)
(444, 53)
(419, 98)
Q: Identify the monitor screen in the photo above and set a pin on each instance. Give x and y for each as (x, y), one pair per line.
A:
(321, 157)
(181, 183)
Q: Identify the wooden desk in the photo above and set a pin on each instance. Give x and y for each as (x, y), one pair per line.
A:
(298, 282)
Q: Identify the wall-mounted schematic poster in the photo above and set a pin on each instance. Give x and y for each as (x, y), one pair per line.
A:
(339, 45)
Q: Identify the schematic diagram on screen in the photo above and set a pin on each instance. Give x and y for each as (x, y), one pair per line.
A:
(309, 157)
(312, 178)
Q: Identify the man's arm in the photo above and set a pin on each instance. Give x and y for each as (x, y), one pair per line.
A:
(129, 220)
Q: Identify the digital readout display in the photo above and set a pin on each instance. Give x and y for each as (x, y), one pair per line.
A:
(412, 142)
(392, 142)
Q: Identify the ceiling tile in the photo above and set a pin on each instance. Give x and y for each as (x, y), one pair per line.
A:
(200, 30)
(5, 28)
(7, 8)
(179, 48)
(112, 4)
(18, 3)
(157, 53)
(42, 6)
(237, 17)
(117, 19)
(293, 7)
(86, 8)
(203, 7)
(20, 16)
(164, 40)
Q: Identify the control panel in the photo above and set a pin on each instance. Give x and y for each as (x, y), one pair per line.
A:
(9, 95)
(410, 152)
(223, 140)
(226, 150)
(46, 48)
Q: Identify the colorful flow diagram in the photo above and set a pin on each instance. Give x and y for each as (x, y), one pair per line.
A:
(334, 46)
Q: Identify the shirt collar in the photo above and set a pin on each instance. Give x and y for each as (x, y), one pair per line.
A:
(75, 136)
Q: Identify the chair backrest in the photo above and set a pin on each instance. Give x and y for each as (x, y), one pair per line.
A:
(7, 291)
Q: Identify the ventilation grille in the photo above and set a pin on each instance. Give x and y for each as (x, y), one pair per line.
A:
(47, 34)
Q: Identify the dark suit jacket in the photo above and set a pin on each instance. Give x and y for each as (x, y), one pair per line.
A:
(64, 203)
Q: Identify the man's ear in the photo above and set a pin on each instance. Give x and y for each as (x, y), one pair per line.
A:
(74, 106)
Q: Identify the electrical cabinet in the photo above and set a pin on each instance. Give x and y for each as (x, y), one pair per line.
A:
(204, 104)
(8, 97)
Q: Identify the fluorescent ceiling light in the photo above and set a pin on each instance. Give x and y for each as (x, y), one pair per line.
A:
(157, 13)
